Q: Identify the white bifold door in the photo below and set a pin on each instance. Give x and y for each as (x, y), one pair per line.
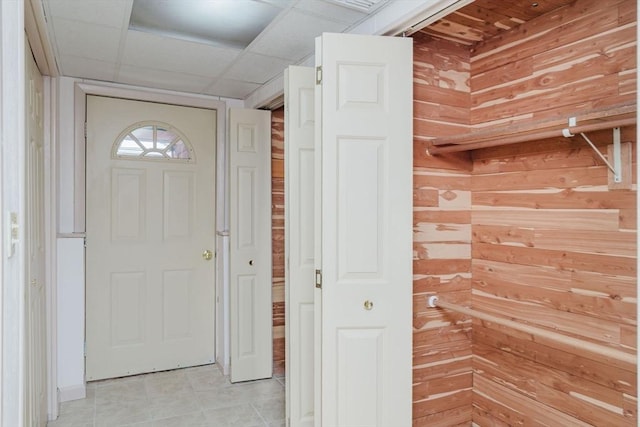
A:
(362, 196)
(250, 259)
(299, 244)
(366, 155)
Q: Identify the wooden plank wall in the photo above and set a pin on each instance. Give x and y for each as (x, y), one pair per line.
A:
(552, 245)
(577, 58)
(442, 371)
(277, 215)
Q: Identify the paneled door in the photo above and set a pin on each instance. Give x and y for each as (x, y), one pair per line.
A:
(299, 244)
(150, 237)
(365, 152)
(250, 261)
(35, 317)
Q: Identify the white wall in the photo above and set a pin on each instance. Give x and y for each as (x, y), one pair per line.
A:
(12, 162)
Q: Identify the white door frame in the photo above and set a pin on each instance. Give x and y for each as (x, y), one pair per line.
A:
(81, 90)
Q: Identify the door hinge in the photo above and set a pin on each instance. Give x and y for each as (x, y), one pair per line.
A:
(319, 74)
(85, 349)
(319, 279)
(85, 131)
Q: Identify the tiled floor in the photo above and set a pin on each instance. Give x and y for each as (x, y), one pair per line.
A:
(191, 397)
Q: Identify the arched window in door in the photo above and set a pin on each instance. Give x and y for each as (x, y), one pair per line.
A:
(153, 141)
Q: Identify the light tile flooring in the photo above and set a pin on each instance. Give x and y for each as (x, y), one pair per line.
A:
(191, 397)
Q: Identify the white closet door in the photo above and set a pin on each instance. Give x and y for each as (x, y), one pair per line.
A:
(299, 244)
(251, 327)
(366, 234)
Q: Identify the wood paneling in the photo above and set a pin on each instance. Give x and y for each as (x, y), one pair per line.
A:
(442, 374)
(574, 59)
(277, 215)
(552, 245)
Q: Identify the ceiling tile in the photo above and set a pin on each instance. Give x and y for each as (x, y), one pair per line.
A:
(112, 13)
(294, 36)
(256, 68)
(86, 40)
(331, 11)
(162, 53)
(232, 89)
(74, 66)
(162, 79)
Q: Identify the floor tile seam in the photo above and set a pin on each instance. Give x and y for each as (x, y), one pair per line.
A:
(264, 421)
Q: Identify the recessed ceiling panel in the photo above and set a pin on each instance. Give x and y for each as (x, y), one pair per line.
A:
(294, 37)
(227, 23)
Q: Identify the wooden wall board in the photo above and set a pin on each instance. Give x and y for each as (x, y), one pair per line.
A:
(614, 242)
(620, 37)
(509, 407)
(617, 287)
(503, 103)
(439, 112)
(570, 261)
(569, 24)
(609, 373)
(450, 418)
(277, 233)
(587, 327)
(598, 306)
(588, 43)
(570, 394)
(563, 219)
(557, 199)
(442, 235)
(541, 179)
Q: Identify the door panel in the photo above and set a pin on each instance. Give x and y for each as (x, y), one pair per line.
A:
(150, 290)
(365, 122)
(250, 237)
(299, 244)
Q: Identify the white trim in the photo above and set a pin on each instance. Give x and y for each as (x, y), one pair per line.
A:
(72, 393)
(50, 217)
(12, 199)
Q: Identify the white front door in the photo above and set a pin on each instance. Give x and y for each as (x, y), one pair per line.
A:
(251, 326)
(35, 340)
(366, 154)
(150, 236)
(299, 244)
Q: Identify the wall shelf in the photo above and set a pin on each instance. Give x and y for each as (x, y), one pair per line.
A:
(607, 118)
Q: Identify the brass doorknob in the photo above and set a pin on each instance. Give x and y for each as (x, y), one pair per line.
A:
(368, 305)
(207, 255)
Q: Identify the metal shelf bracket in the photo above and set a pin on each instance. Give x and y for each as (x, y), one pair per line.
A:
(616, 168)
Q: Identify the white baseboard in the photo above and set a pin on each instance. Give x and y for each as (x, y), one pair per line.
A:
(73, 392)
(222, 367)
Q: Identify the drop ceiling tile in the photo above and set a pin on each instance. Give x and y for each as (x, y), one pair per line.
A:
(74, 66)
(112, 13)
(162, 79)
(163, 53)
(232, 89)
(294, 37)
(255, 68)
(86, 40)
(331, 11)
